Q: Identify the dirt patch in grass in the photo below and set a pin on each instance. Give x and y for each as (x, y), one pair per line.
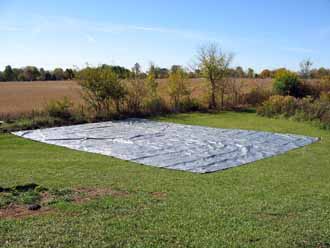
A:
(14, 211)
(159, 195)
(33, 200)
(276, 216)
(82, 195)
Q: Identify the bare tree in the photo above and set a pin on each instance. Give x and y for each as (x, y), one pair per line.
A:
(214, 65)
(305, 68)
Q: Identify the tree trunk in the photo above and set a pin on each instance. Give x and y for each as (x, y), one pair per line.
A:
(213, 100)
(222, 97)
(117, 103)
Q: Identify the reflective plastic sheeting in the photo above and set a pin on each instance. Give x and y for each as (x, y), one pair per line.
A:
(173, 146)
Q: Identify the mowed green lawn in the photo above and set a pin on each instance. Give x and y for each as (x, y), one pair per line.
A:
(283, 201)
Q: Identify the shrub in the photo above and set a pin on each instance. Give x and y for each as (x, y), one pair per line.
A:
(257, 96)
(60, 109)
(325, 97)
(321, 107)
(325, 120)
(156, 105)
(102, 89)
(287, 83)
(325, 84)
(178, 89)
(28, 123)
(309, 88)
(190, 104)
(278, 105)
(136, 95)
(289, 106)
(306, 109)
(152, 84)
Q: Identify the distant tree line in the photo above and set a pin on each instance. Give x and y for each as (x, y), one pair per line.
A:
(312, 74)
(32, 73)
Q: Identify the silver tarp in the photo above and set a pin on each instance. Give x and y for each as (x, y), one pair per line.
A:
(173, 146)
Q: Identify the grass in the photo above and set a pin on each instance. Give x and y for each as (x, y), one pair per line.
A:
(278, 202)
(29, 197)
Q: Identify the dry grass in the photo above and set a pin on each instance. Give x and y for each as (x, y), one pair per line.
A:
(199, 86)
(18, 98)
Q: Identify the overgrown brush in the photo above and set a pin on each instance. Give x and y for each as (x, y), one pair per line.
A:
(55, 113)
(103, 91)
(304, 109)
(256, 96)
(60, 108)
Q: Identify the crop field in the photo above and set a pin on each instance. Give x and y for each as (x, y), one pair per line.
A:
(23, 97)
(99, 201)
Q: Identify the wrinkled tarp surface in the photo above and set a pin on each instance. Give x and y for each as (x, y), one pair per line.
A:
(168, 145)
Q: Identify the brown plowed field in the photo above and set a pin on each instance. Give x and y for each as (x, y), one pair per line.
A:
(23, 97)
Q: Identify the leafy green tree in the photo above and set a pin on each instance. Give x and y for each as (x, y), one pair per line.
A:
(27, 74)
(250, 73)
(174, 68)
(161, 72)
(214, 64)
(320, 73)
(232, 73)
(20, 75)
(68, 74)
(1, 76)
(8, 74)
(58, 74)
(48, 76)
(31, 73)
(240, 72)
(102, 89)
(265, 74)
(177, 88)
(17, 74)
(287, 83)
(122, 72)
(197, 73)
(42, 74)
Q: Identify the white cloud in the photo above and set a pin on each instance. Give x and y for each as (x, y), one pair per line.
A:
(39, 24)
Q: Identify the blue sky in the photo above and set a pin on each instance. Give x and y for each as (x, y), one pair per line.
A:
(261, 34)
